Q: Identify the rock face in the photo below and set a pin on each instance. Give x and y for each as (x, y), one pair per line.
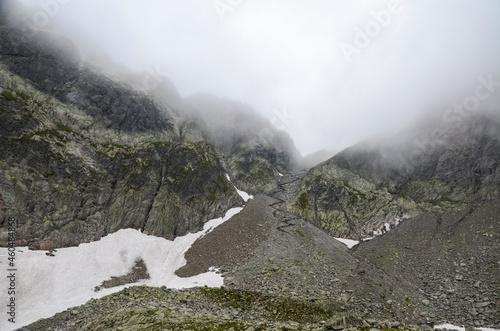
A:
(52, 65)
(83, 156)
(428, 168)
(65, 188)
(253, 151)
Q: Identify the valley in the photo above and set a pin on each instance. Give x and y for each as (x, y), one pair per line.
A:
(144, 210)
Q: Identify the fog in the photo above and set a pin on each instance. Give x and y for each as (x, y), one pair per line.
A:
(330, 73)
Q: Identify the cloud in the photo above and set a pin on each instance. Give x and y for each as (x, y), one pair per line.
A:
(286, 54)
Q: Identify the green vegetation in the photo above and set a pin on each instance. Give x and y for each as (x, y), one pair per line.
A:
(63, 127)
(300, 233)
(149, 308)
(9, 96)
(446, 199)
(158, 144)
(43, 133)
(303, 201)
(277, 308)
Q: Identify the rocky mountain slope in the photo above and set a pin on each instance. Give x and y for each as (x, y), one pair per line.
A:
(283, 273)
(85, 154)
(452, 258)
(206, 309)
(433, 166)
(265, 248)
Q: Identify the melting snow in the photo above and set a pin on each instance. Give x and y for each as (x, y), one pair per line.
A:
(348, 242)
(48, 285)
(244, 195)
(459, 328)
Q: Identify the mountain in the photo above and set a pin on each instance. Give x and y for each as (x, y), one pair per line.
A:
(85, 154)
(254, 152)
(116, 180)
(432, 166)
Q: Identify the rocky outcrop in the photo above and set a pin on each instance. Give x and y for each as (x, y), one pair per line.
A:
(65, 188)
(147, 308)
(254, 152)
(83, 156)
(256, 168)
(374, 185)
(52, 64)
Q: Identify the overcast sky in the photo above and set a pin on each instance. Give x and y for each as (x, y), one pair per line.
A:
(329, 72)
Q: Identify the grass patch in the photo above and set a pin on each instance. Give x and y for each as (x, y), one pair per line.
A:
(9, 96)
(303, 201)
(276, 308)
(63, 127)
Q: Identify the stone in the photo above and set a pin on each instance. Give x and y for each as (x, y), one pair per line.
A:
(482, 304)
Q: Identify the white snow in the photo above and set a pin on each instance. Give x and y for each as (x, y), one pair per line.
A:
(459, 328)
(348, 242)
(244, 195)
(279, 173)
(48, 285)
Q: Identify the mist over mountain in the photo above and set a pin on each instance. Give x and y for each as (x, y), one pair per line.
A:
(290, 67)
(191, 181)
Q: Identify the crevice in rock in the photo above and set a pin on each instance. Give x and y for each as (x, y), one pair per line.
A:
(150, 207)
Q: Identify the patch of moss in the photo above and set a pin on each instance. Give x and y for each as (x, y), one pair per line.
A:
(22, 95)
(303, 201)
(277, 308)
(9, 96)
(63, 127)
(212, 197)
(158, 144)
(111, 145)
(48, 132)
(446, 199)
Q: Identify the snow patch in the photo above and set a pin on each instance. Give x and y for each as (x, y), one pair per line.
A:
(244, 195)
(383, 228)
(460, 328)
(280, 174)
(348, 242)
(48, 285)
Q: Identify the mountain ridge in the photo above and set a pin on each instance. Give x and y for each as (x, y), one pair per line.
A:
(104, 155)
(364, 187)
